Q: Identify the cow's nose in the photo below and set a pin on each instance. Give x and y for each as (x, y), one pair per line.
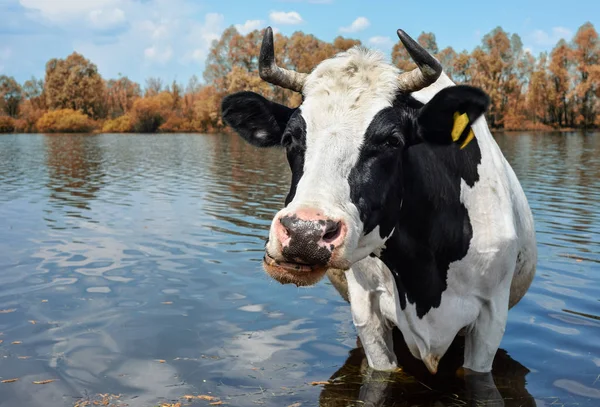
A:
(308, 237)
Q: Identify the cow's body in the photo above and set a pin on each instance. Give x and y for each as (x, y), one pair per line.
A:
(480, 270)
(435, 238)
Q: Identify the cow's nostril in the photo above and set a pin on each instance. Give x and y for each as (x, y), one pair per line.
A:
(332, 231)
(285, 222)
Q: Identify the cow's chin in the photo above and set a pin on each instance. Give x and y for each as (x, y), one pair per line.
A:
(293, 273)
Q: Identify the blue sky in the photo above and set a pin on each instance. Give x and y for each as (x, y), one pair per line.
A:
(170, 38)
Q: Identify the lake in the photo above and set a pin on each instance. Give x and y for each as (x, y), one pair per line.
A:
(130, 266)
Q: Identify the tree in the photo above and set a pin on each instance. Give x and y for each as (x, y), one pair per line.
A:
(74, 83)
(149, 113)
(154, 85)
(586, 54)
(219, 61)
(193, 85)
(176, 91)
(538, 91)
(561, 62)
(10, 96)
(447, 56)
(120, 95)
(33, 90)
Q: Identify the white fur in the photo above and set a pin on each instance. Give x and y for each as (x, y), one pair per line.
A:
(481, 286)
(342, 95)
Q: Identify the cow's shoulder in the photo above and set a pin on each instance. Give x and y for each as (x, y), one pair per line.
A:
(434, 228)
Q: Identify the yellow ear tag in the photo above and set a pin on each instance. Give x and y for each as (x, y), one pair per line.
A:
(460, 123)
(468, 139)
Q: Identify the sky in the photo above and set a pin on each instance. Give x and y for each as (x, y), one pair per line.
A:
(171, 38)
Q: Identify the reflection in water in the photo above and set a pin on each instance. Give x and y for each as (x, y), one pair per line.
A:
(73, 170)
(119, 252)
(356, 384)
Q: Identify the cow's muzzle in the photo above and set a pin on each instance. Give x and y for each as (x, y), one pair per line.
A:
(293, 273)
(306, 243)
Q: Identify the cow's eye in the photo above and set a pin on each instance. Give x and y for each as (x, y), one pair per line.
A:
(393, 141)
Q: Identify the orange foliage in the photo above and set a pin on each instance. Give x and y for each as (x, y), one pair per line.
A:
(122, 124)
(7, 124)
(561, 89)
(65, 121)
(29, 115)
(151, 112)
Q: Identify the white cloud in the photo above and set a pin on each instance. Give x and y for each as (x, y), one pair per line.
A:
(381, 41)
(249, 25)
(165, 38)
(156, 30)
(106, 18)
(157, 54)
(359, 24)
(289, 18)
(543, 39)
(65, 10)
(202, 36)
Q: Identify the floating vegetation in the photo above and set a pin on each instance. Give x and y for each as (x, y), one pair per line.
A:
(107, 400)
(44, 381)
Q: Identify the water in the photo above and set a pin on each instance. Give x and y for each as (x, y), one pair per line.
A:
(130, 265)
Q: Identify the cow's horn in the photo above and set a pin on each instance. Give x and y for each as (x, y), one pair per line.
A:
(428, 68)
(270, 72)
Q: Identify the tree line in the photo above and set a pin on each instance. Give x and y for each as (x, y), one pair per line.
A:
(560, 89)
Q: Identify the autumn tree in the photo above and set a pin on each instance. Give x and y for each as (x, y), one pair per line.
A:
(154, 85)
(176, 91)
(561, 62)
(10, 96)
(74, 83)
(462, 67)
(221, 56)
(232, 63)
(149, 113)
(447, 56)
(500, 67)
(120, 95)
(538, 91)
(193, 85)
(586, 54)
(33, 90)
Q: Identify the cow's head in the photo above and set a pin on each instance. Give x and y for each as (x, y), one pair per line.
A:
(345, 145)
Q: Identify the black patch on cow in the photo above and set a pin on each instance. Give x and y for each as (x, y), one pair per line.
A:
(433, 227)
(257, 120)
(413, 188)
(376, 186)
(305, 236)
(294, 141)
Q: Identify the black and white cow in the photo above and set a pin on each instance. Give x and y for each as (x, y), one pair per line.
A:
(396, 179)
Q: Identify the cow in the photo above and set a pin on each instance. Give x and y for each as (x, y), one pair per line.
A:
(397, 180)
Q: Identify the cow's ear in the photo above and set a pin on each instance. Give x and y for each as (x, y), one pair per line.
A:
(448, 116)
(258, 120)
